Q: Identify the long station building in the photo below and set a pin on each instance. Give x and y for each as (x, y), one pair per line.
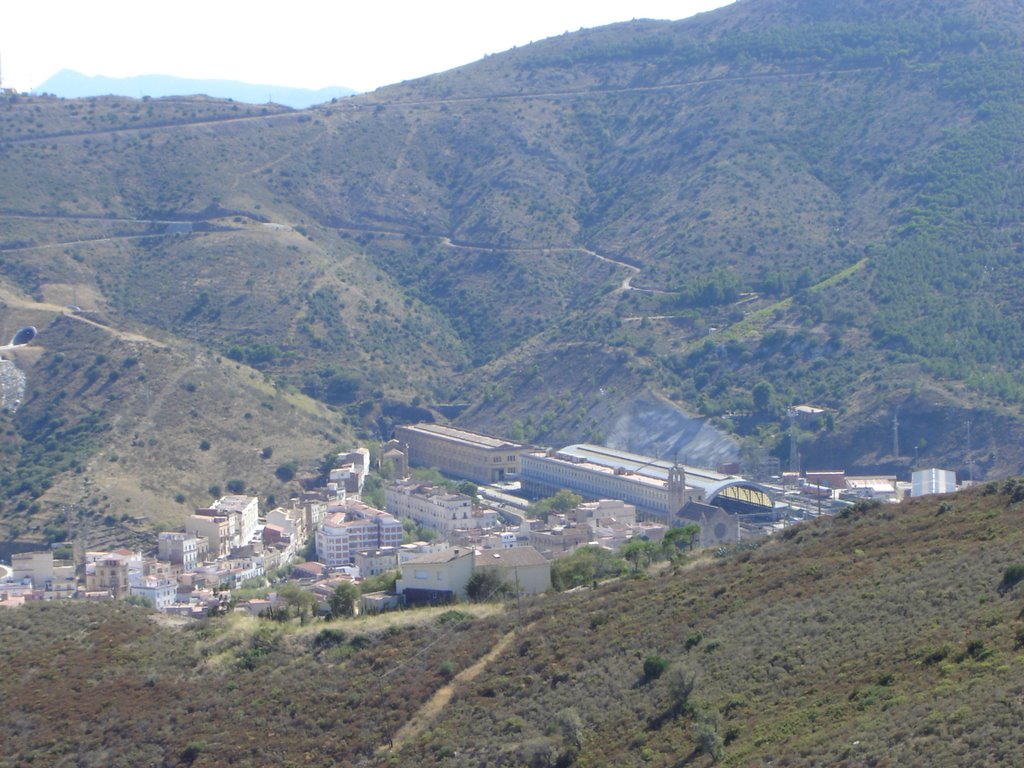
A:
(459, 452)
(657, 488)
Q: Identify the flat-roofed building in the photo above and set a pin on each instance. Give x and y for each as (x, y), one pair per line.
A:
(461, 453)
(556, 539)
(436, 508)
(245, 510)
(374, 562)
(178, 548)
(359, 527)
(657, 488)
(932, 480)
(161, 592)
(218, 530)
(109, 574)
(37, 567)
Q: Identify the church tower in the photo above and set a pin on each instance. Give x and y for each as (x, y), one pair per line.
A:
(677, 496)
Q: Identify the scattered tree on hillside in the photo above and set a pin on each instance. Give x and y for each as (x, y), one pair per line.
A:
(763, 394)
(286, 472)
(654, 666)
(681, 681)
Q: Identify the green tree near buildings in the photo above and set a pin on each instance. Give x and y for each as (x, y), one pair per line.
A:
(373, 491)
(297, 601)
(560, 503)
(677, 538)
(343, 599)
(486, 584)
(585, 566)
(640, 553)
(468, 488)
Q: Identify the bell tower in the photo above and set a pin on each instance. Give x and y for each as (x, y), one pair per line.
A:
(677, 497)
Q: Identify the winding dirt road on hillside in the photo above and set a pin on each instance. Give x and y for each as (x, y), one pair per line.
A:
(11, 299)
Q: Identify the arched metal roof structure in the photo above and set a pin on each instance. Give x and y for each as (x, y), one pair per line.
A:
(740, 495)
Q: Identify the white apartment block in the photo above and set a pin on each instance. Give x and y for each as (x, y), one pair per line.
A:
(246, 511)
(37, 567)
(351, 470)
(290, 520)
(178, 548)
(433, 507)
(218, 530)
(360, 527)
(373, 562)
(161, 592)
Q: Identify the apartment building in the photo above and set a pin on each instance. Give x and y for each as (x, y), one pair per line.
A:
(436, 508)
(359, 527)
(178, 548)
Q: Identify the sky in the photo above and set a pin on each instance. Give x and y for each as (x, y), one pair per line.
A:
(299, 43)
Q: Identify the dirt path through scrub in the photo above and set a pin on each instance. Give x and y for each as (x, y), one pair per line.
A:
(430, 711)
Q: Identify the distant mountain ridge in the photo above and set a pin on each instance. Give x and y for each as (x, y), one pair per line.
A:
(73, 85)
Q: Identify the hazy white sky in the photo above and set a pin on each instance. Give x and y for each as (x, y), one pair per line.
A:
(302, 43)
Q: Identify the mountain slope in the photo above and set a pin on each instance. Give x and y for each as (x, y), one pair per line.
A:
(823, 198)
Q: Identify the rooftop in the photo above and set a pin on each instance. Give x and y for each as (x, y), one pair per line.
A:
(444, 556)
(234, 503)
(516, 557)
(643, 469)
(462, 436)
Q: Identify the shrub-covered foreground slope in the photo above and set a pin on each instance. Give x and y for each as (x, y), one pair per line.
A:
(886, 637)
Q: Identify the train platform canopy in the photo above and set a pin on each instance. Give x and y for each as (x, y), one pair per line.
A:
(729, 490)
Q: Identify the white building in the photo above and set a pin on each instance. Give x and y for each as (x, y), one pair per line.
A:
(292, 522)
(373, 562)
(360, 527)
(178, 548)
(436, 508)
(928, 481)
(36, 567)
(245, 510)
(56, 579)
(161, 592)
(351, 470)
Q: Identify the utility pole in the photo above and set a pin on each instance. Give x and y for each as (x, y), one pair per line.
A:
(896, 433)
(970, 464)
(794, 455)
